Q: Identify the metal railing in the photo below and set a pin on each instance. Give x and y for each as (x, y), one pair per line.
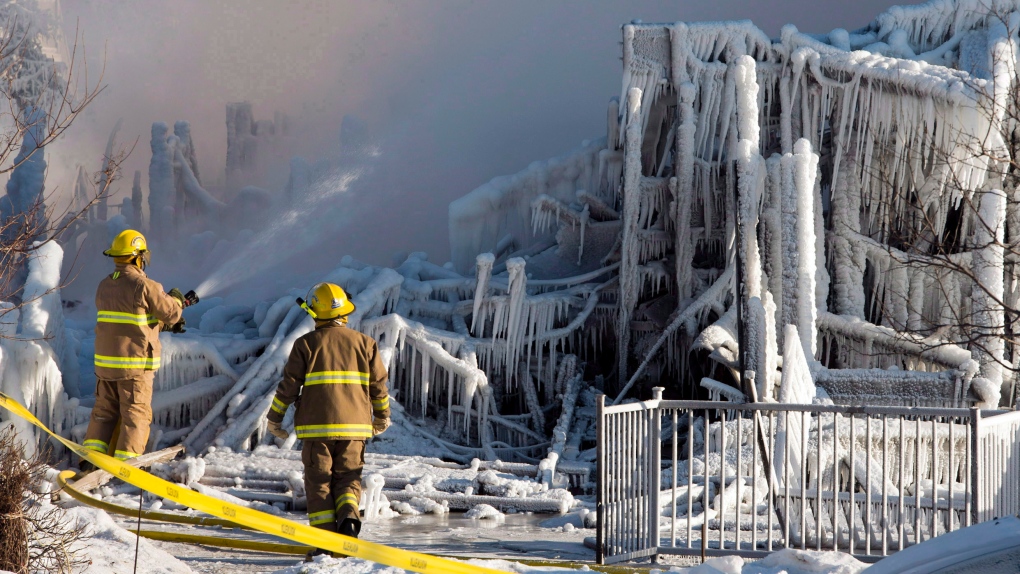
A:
(714, 478)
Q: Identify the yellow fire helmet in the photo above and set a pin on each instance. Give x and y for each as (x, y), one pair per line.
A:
(327, 301)
(127, 243)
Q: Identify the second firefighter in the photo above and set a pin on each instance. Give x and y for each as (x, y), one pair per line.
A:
(337, 382)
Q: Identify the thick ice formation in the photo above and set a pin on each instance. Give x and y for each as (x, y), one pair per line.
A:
(858, 168)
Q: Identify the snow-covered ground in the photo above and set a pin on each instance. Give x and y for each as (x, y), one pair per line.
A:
(112, 550)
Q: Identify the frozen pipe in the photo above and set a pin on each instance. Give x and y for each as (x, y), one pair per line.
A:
(805, 169)
(461, 501)
(988, 269)
(681, 188)
(932, 349)
(629, 256)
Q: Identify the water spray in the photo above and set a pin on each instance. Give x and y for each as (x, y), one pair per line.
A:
(298, 228)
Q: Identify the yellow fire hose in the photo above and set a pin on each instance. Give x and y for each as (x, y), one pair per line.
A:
(254, 519)
(225, 542)
(234, 516)
(133, 512)
(274, 547)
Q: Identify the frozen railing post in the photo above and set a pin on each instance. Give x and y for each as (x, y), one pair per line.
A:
(600, 474)
(655, 472)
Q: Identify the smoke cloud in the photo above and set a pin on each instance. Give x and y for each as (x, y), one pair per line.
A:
(453, 92)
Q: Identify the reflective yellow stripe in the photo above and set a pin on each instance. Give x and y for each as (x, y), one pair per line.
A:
(278, 406)
(116, 274)
(96, 445)
(323, 431)
(124, 454)
(347, 499)
(127, 362)
(381, 404)
(323, 517)
(125, 318)
(337, 378)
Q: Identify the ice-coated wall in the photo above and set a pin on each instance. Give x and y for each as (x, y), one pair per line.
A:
(855, 167)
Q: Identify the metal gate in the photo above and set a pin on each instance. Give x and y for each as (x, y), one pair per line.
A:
(720, 478)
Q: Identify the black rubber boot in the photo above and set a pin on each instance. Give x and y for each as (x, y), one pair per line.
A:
(310, 557)
(350, 527)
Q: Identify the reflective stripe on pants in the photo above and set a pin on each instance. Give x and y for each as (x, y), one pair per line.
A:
(333, 480)
(124, 405)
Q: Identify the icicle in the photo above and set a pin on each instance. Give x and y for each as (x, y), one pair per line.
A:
(585, 214)
(483, 271)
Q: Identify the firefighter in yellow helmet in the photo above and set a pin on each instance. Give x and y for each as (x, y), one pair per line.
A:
(337, 382)
(132, 309)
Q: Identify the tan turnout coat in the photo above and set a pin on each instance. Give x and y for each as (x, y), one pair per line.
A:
(342, 383)
(131, 309)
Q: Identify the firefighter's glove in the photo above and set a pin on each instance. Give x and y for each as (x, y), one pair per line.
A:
(177, 327)
(275, 430)
(379, 426)
(176, 294)
(186, 300)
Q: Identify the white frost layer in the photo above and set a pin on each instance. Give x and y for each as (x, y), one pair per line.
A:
(112, 548)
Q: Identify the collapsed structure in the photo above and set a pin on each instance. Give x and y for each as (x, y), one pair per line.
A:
(858, 186)
(766, 220)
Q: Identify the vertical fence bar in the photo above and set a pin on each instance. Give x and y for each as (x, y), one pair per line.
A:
(818, 483)
(951, 507)
(917, 480)
(600, 472)
(676, 469)
(634, 527)
(851, 486)
(635, 464)
(974, 516)
(644, 478)
(721, 511)
(835, 482)
(903, 463)
(754, 482)
(885, 485)
(704, 493)
(786, 479)
(657, 475)
(867, 486)
(740, 475)
(803, 479)
(612, 509)
(934, 479)
(691, 475)
(617, 508)
(773, 507)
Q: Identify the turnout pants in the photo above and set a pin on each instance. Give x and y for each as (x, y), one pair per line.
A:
(121, 416)
(333, 480)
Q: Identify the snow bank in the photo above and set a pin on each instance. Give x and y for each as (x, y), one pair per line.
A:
(112, 548)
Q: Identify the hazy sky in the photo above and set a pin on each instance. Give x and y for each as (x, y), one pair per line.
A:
(457, 91)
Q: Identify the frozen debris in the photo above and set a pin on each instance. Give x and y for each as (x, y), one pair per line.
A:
(483, 512)
(375, 506)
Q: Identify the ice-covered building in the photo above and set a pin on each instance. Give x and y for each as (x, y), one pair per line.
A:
(857, 185)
